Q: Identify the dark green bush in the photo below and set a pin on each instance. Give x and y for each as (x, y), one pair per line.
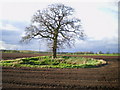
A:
(33, 58)
(66, 57)
(44, 63)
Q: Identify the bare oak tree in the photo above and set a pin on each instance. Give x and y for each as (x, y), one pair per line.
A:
(56, 25)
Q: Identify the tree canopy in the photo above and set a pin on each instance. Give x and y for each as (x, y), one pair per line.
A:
(56, 25)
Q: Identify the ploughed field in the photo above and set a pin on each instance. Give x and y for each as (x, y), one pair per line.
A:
(104, 77)
(21, 55)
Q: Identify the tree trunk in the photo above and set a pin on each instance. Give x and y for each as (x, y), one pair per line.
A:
(54, 52)
(55, 47)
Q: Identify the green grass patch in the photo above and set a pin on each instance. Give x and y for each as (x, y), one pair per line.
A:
(92, 54)
(49, 62)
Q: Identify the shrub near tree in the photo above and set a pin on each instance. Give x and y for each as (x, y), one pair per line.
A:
(56, 25)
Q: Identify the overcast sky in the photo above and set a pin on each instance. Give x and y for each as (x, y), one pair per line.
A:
(99, 20)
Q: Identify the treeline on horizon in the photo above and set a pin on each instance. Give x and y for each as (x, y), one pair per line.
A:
(30, 51)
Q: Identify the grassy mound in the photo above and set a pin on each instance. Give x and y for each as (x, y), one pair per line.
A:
(49, 62)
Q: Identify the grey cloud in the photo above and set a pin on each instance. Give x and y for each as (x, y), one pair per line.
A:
(95, 46)
(13, 38)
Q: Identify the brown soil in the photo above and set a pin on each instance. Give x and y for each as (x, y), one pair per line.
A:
(19, 55)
